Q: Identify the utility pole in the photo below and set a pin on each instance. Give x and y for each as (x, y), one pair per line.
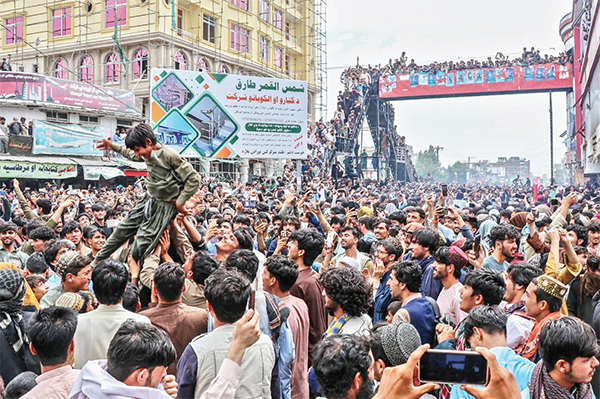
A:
(437, 152)
(551, 143)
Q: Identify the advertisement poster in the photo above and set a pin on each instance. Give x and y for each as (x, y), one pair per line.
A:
(200, 114)
(94, 172)
(65, 139)
(40, 88)
(533, 78)
(36, 170)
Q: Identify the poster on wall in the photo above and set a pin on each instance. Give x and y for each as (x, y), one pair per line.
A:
(66, 139)
(201, 114)
(20, 145)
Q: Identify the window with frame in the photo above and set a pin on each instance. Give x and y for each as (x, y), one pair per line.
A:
(264, 10)
(180, 61)
(265, 44)
(209, 28)
(115, 11)
(55, 116)
(140, 64)
(179, 21)
(60, 69)
(277, 56)
(240, 39)
(14, 30)
(61, 22)
(88, 120)
(203, 65)
(224, 69)
(243, 4)
(111, 68)
(85, 69)
(278, 18)
(287, 64)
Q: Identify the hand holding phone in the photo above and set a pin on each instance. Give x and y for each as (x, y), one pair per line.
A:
(453, 367)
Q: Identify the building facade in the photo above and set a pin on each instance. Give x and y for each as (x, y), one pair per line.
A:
(115, 43)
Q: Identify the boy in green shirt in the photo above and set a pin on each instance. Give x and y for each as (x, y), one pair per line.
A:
(170, 182)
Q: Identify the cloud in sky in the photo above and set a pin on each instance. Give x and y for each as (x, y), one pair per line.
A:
(479, 127)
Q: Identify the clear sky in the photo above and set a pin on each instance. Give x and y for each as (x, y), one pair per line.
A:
(438, 30)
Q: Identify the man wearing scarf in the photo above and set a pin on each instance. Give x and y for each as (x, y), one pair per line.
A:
(568, 349)
(15, 356)
(543, 299)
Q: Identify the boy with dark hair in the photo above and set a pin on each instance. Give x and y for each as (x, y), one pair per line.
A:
(505, 245)
(75, 272)
(227, 293)
(8, 249)
(448, 266)
(96, 328)
(170, 183)
(73, 232)
(181, 322)
(423, 244)
(40, 236)
(51, 334)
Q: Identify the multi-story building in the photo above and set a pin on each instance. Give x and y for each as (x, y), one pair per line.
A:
(115, 43)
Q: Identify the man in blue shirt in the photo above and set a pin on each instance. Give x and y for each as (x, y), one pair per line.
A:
(486, 326)
(387, 253)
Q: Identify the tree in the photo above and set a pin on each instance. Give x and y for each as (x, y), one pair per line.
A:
(458, 172)
(427, 163)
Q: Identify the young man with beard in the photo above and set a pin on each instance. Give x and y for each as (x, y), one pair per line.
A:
(99, 211)
(349, 238)
(347, 299)
(569, 351)
(8, 251)
(594, 237)
(304, 246)
(504, 242)
(424, 243)
(388, 252)
(518, 327)
(543, 299)
(449, 262)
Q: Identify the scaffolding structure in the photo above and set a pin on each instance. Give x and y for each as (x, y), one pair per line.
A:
(286, 39)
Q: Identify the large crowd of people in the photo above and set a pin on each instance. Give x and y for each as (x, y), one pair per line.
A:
(185, 287)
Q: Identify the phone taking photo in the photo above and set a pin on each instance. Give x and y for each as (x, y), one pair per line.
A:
(453, 367)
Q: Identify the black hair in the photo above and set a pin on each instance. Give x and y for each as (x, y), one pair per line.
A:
(442, 255)
(502, 232)
(348, 287)
(487, 283)
(367, 221)
(75, 265)
(594, 225)
(242, 219)
(593, 263)
(20, 385)
(291, 220)
(490, 319)
(337, 359)
(427, 238)
(420, 211)
(53, 248)
(82, 214)
(311, 241)
(45, 205)
(31, 225)
(351, 229)
(227, 291)
(284, 270)
(36, 263)
(137, 136)
(399, 216)
(51, 331)
(131, 297)
(394, 306)
(505, 213)
(8, 226)
(34, 280)
(566, 338)
(43, 233)
(110, 280)
(580, 231)
(69, 227)
(386, 222)
(410, 273)
(338, 219)
(244, 261)
(98, 207)
(244, 238)
(554, 303)
(522, 273)
(263, 216)
(203, 265)
(391, 247)
(138, 345)
(377, 344)
(89, 231)
(169, 279)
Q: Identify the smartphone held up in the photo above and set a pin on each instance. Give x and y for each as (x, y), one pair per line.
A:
(453, 367)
